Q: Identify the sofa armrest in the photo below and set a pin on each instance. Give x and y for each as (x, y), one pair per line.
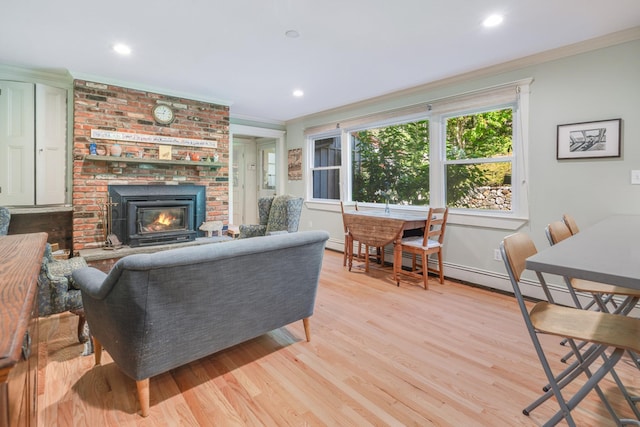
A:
(92, 281)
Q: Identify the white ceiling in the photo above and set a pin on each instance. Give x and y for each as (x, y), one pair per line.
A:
(236, 52)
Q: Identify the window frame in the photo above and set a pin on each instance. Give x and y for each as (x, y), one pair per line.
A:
(311, 140)
(442, 141)
(514, 95)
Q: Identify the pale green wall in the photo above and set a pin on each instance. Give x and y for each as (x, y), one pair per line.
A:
(597, 85)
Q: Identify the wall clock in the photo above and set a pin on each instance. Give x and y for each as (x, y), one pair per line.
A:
(163, 114)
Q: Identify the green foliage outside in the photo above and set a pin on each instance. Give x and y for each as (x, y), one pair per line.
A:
(392, 163)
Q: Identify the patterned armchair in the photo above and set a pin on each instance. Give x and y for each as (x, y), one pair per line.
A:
(279, 214)
(5, 218)
(57, 292)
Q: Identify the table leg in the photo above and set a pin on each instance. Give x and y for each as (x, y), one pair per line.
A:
(350, 249)
(397, 259)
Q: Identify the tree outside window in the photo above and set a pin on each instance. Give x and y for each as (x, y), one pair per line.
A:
(479, 160)
(391, 164)
(460, 153)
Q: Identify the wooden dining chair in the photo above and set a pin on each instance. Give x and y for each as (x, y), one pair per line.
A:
(603, 331)
(348, 241)
(431, 242)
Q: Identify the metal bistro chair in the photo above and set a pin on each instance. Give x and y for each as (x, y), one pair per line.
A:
(602, 294)
(571, 223)
(604, 331)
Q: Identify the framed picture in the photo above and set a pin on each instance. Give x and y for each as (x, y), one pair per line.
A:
(295, 164)
(593, 140)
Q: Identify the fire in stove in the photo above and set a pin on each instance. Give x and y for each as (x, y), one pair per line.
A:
(155, 220)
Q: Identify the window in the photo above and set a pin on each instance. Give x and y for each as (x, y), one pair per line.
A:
(479, 160)
(463, 152)
(391, 164)
(268, 168)
(327, 162)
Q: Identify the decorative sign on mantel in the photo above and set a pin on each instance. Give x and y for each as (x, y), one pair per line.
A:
(154, 139)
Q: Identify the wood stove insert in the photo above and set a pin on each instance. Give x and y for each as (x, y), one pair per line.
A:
(144, 215)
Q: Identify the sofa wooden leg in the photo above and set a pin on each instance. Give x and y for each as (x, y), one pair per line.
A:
(307, 331)
(143, 396)
(97, 350)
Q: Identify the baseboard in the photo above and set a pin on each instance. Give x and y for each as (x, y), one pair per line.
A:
(494, 280)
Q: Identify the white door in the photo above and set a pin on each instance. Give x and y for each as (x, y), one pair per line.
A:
(17, 167)
(267, 170)
(244, 181)
(238, 184)
(51, 137)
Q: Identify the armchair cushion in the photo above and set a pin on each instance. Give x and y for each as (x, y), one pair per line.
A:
(279, 214)
(252, 230)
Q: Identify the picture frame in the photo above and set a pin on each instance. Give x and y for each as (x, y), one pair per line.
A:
(295, 164)
(589, 140)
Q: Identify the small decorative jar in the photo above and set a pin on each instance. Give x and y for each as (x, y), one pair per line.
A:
(92, 148)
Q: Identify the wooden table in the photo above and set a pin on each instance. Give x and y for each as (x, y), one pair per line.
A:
(20, 261)
(377, 229)
(607, 252)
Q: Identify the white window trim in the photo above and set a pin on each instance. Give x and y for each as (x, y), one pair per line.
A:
(513, 93)
(311, 138)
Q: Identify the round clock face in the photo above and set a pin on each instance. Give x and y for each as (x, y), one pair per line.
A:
(163, 114)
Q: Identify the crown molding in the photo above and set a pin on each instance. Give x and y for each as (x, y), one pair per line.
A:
(148, 88)
(601, 42)
(53, 77)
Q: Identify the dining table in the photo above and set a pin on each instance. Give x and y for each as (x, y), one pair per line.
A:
(606, 252)
(377, 229)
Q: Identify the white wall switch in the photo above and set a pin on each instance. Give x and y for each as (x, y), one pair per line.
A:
(635, 177)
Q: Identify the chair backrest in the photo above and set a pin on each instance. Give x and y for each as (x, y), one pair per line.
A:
(346, 207)
(516, 248)
(5, 218)
(571, 223)
(284, 214)
(557, 231)
(264, 207)
(436, 225)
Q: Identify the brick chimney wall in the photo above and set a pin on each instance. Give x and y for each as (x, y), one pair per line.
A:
(113, 108)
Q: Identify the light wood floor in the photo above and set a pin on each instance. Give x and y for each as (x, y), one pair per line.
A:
(379, 355)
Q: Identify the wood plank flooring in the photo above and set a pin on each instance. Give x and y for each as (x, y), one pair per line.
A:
(379, 355)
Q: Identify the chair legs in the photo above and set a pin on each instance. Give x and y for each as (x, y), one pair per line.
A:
(418, 270)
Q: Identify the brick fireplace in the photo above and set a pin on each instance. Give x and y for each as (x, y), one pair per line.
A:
(113, 110)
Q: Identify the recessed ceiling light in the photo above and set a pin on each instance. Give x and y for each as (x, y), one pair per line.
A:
(292, 34)
(298, 93)
(122, 49)
(492, 21)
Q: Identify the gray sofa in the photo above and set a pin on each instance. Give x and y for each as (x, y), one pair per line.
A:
(155, 312)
